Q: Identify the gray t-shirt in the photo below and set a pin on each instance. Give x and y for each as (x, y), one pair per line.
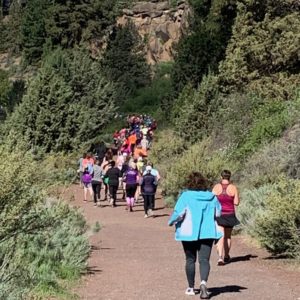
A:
(97, 173)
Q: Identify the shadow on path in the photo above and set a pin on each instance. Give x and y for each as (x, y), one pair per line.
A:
(160, 216)
(92, 271)
(226, 289)
(242, 258)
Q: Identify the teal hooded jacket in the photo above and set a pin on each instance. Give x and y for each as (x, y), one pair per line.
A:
(194, 216)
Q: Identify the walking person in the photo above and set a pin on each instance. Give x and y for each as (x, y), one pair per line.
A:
(97, 182)
(113, 175)
(148, 187)
(81, 168)
(87, 184)
(131, 179)
(227, 194)
(194, 217)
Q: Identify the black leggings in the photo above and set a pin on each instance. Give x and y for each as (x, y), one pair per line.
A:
(148, 202)
(203, 248)
(113, 193)
(96, 185)
(130, 190)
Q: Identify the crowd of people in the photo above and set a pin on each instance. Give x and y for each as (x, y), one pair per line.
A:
(125, 166)
(202, 217)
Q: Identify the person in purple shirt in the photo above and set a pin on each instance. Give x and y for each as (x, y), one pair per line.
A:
(87, 184)
(131, 178)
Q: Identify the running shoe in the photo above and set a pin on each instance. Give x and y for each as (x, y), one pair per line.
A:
(190, 292)
(98, 204)
(146, 216)
(150, 213)
(204, 292)
(95, 204)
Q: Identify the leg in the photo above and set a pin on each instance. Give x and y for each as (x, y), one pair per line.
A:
(94, 187)
(145, 205)
(111, 192)
(91, 191)
(190, 250)
(85, 189)
(220, 244)
(204, 256)
(99, 191)
(115, 189)
(227, 241)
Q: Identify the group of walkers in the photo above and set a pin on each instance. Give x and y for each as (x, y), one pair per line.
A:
(125, 166)
(203, 218)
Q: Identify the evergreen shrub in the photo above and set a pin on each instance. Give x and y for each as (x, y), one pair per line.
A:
(278, 227)
(199, 157)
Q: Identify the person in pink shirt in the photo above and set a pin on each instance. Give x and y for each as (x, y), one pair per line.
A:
(228, 197)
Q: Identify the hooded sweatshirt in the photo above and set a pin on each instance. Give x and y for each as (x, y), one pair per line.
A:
(194, 216)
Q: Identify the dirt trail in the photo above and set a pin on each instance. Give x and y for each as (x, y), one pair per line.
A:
(135, 258)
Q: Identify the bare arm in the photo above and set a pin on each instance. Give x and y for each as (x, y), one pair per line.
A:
(236, 200)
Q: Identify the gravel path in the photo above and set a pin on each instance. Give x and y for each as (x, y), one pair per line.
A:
(134, 258)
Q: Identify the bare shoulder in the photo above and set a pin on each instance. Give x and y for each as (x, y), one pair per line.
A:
(217, 189)
(232, 188)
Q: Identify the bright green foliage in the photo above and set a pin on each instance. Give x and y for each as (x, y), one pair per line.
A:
(123, 61)
(278, 227)
(201, 51)
(166, 149)
(198, 157)
(245, 122)
(280, 156)
(41, 241)
(193, 110)
(66, 104)
(264, 50)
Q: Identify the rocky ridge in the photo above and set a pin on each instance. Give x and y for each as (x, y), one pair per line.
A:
(160, 24)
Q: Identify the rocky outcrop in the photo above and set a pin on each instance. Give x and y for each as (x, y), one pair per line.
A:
(160, 24)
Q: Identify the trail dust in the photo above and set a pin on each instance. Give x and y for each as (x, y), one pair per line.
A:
(134, 258)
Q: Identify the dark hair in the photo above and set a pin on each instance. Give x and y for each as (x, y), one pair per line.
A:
(112, 163)
(197, 182)
(226, 174)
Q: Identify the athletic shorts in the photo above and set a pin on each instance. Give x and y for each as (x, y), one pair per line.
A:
(228, 221)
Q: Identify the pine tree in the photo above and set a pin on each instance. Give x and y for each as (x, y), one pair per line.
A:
(124, 62)
(67, 104)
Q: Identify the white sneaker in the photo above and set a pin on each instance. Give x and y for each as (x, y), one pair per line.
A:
(150, 213)
(190, 292)
(146, 216)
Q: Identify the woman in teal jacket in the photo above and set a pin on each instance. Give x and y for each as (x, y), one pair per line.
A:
(194, 218)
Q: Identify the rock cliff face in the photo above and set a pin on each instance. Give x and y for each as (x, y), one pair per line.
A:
(160, 24)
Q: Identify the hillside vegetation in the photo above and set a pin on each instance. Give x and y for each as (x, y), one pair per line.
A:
(230, 99)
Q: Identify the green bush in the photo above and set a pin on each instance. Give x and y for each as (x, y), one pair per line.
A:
(199, 157)
(253, 204)
(280, 156)
(278, 227)
(166, 148)
(42, 241)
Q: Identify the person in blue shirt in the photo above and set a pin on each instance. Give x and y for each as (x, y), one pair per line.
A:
(194, 218)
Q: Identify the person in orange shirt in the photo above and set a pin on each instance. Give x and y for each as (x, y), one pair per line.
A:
(132, 140)
(139, 151)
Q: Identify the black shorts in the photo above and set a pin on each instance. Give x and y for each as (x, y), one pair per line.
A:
(130, 190)
(228, 221)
